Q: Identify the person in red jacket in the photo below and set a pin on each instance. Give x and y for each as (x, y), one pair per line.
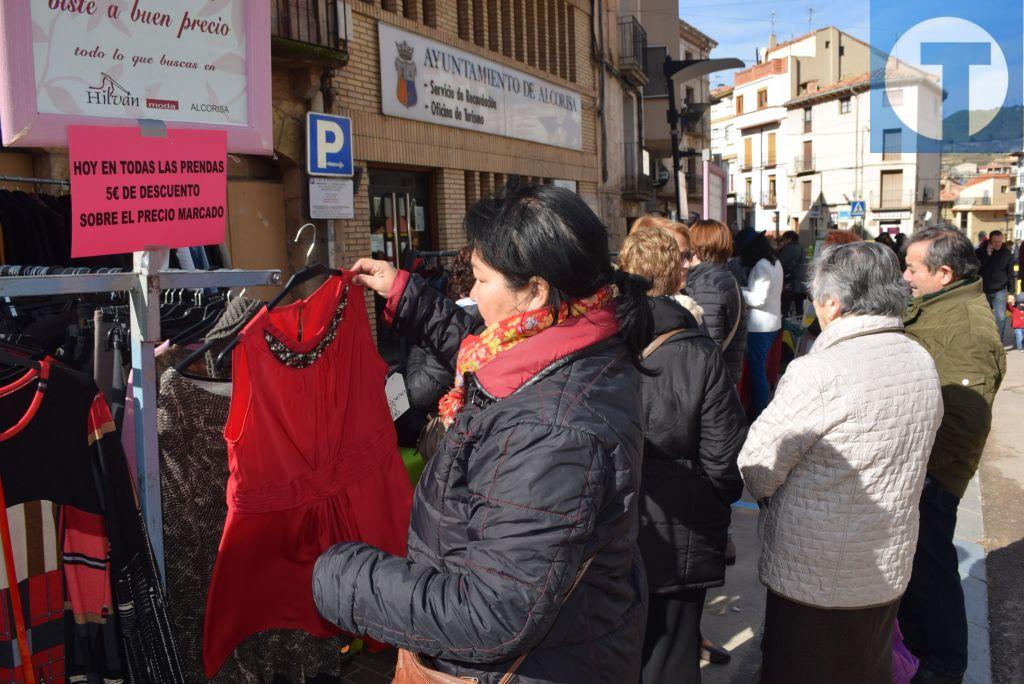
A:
(1017, 315)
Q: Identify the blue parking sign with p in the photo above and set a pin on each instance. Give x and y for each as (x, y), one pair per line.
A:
(328, 145)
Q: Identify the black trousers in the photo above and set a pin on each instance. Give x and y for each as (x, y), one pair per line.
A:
(672, 642)
(932, 614)
(804, 644)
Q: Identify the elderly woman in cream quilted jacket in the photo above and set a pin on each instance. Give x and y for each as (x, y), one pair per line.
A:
(837, 461)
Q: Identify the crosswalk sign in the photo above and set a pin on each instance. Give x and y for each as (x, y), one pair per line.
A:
(857, 208)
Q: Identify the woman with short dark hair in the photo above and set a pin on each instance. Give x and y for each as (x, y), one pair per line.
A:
(522, 545)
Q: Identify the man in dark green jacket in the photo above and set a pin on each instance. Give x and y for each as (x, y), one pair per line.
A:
(950, 317)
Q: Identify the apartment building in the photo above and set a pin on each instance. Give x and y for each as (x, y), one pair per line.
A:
(837, 180)
(761, 121)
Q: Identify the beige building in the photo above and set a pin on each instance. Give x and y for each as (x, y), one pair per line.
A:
(986, 203)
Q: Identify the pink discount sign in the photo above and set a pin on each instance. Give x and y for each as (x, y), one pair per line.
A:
(131, 192)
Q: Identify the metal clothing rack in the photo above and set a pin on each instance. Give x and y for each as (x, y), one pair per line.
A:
(37, 181)
(144, 283)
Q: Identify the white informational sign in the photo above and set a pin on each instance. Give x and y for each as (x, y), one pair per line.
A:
(175, 61)
(398, 396)
(421, 219)
(715, 200)
(428, 81)
(891, 215)
(331, 198)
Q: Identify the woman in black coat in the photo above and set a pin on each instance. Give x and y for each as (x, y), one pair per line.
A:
(522, 544)
(694, 427)
(713, 285)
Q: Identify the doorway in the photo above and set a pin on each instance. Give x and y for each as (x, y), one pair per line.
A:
(401, 214)
(401, 224)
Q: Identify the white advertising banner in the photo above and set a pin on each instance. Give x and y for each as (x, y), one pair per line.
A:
(176, 61)
(428, 81)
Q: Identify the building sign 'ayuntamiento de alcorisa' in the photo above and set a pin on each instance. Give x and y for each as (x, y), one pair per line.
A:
(428, 81)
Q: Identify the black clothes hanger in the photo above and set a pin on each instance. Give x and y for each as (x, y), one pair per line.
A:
(299, 277)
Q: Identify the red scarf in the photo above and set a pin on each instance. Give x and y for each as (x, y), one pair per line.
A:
(476, 351)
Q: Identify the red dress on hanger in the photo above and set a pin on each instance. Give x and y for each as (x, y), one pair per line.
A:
(313, 461)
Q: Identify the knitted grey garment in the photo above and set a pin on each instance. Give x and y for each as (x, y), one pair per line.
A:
(193, 479)
(237, 314)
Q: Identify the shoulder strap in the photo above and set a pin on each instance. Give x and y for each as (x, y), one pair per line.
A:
(579, 578)
(658, 341)
(739, 313)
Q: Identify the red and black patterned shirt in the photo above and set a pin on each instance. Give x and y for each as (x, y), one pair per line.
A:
(56, 545)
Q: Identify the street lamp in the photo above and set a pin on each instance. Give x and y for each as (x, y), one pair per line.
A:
(686, 70)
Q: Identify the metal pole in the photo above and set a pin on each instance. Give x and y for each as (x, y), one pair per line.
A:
(673, 121)
(145, 322)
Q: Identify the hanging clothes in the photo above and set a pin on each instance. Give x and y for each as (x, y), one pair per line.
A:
(313, 461)
(193, 475)
(74, 543)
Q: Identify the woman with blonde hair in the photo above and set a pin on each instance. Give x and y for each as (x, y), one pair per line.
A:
(675, 230)
(693, 430)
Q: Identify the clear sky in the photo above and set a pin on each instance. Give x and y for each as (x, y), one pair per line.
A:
(741, 26)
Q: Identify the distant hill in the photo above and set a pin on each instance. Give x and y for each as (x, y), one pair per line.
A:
(1002, 135)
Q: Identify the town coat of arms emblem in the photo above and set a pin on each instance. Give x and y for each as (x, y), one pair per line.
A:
(406, 69)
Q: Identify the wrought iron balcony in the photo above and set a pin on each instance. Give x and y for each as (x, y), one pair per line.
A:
(633, 51)
(307, 30)
(803, 164)
(637, 184)
(769, 200)
(892, 200)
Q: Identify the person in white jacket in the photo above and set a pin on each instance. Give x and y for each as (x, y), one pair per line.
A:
(839, 474)
(763, 295)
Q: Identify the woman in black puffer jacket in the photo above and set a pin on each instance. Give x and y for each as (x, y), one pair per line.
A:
(694, 428)
(534, 489)
(715, 288)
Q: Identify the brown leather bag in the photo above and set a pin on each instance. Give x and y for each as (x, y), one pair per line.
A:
(411, 670)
